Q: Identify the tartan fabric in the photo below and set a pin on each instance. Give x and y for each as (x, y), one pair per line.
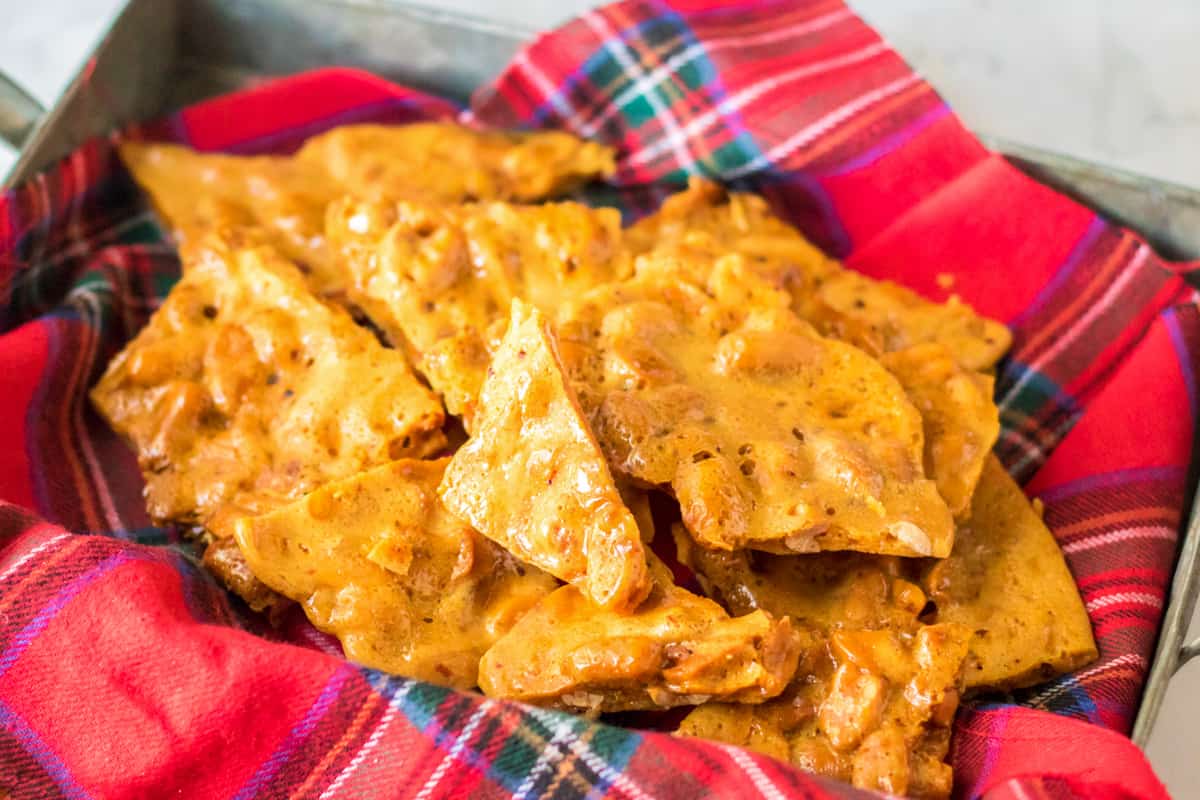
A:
(126, 672)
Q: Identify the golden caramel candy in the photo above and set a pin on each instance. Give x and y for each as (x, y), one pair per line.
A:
(695, 228)
(875, 710)
(1007, 580)
(961, 420)
(771, 436)
(285, 197)
(245, 391)
(440, 280)
(407, 587)
(885, 317)
(675, 649)
(443, 162)
(875, 697)
(284, 200)
(828, 591)
(532, 478)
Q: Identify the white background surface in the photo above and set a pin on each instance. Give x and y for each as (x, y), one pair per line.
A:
(1114, 81)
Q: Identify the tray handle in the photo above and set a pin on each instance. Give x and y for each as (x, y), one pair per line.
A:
(19, 112)
(1188, 651)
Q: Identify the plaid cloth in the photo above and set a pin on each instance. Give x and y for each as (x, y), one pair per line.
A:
(126, 672)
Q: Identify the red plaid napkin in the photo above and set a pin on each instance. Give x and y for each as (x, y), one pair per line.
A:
(126, 672)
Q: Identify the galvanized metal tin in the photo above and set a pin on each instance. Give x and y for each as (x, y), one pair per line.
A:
(159, 55)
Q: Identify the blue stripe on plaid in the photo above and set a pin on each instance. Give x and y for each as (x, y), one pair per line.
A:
(1064, 695)
(599, 69)
(1025, 390)
(694, 68)
(110, 195)
(742, 148)
(1171, 318)
(835, 239)
(1117, 478)
(612, 747)
(298, 734)
(1052, 288)
(23, 638)
(46, 758)
(893, 141)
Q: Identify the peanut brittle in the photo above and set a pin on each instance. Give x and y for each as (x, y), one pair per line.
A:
(875, 709)
(448, 163)
(200, 192)
(873, 704)
(696, 227)
(440, 280)
(961, 420)
(829, 591)
(1007, 581)
(533, 479)
(770, 436)
(406, 586)
(287, 196)
(245, 391)
(884, 317)
(675, 649)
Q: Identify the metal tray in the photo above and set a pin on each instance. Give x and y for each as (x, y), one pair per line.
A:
(159, 55)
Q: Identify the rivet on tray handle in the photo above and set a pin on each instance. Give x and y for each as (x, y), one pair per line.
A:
(19, 112)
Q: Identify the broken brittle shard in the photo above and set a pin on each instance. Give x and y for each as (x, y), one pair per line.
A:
(771, 436)
(245, 391)
(378, 561)
(532, 478)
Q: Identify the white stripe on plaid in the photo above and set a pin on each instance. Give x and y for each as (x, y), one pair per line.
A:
(32, 272)
(384, 723)
(549, 90)
(751, 93)
(460, 743)
(642, 83)
(1126, 598)
(810, 133)
(552, 751)
(12, 568)
(689, 54)
(1122, 535)
(71, 431)
(615, 778)
(1068, 336)
(1130, 660)
(1033, 454)
(765, 786)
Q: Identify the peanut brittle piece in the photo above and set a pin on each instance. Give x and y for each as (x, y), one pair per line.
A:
(533, 479)
(704, 222)
(448, 163)
(245, 391)
(875, 709)
(961, 419)
(637, 500)
(197, 193)
(675, 649)
(1007, 581)
(828, 591)
(441, 280)
(407, 587)
(884, 317)
(697, 226)
(874, 704)
(770, 436)
(287, 196)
